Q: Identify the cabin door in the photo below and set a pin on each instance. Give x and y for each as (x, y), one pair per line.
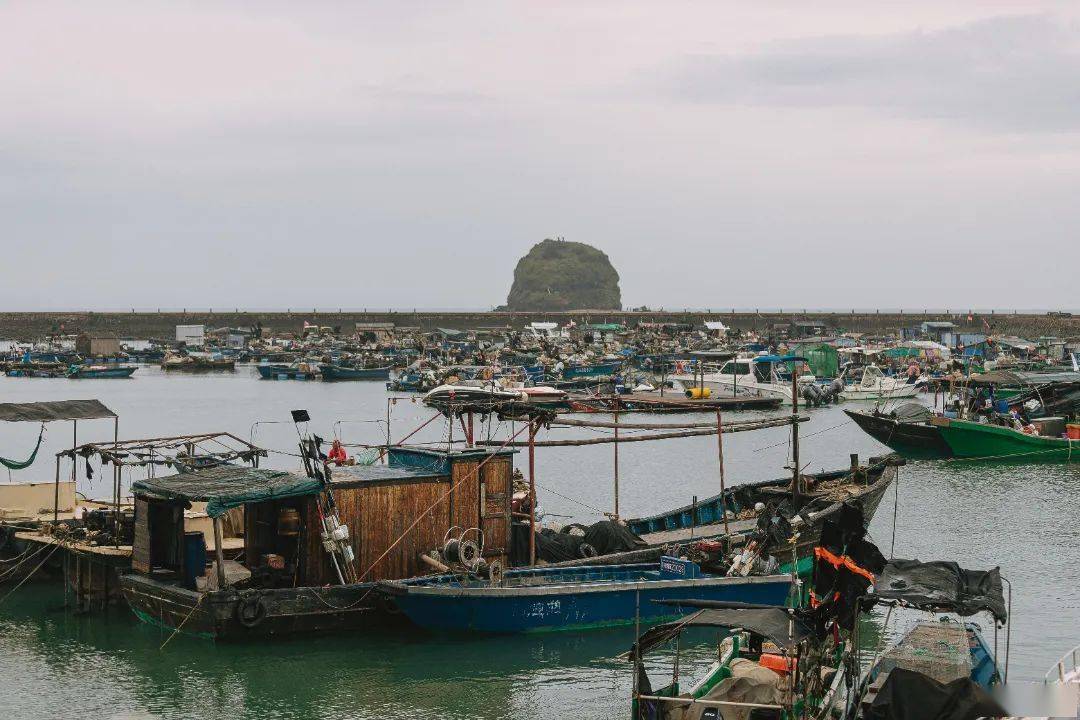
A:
(495, 496)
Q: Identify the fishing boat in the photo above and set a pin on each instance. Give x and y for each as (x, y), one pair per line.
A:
(824, 496)
(915, 432)
(875, 385)
(1040, 441)
(906, 429)
(477, 392)
(590, 371)
(761, 375)
(192, 363)
(572, 598)
(36, 370)
(342, 372)
(87, 372)
(292, 371)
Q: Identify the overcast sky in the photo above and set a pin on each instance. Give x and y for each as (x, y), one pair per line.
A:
(406, 154)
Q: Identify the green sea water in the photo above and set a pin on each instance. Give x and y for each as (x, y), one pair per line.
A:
(55, 665)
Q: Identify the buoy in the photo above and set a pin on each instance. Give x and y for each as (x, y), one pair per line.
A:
(698, 393)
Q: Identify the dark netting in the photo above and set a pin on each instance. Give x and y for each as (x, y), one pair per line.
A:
(50, 411)
(942, 585)
(780, 625)
(908, 695)
(608, 536)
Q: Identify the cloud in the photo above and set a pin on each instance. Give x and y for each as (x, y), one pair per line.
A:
(1010, 73)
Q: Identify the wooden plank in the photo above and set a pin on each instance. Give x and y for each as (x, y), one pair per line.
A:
(140, 549)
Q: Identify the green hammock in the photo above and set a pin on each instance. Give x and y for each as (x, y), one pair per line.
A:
(15, 464)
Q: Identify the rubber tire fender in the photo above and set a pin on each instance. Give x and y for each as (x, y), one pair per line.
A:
(251, 610)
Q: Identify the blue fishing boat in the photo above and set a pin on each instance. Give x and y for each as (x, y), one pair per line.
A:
(98, 372)
(294, 371)
(577, 372)
(341, 372)
(572, 598)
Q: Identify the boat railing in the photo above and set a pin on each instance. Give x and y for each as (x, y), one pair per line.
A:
(710, 703)
(1066, 669)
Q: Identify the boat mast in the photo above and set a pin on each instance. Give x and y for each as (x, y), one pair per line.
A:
(795, 490)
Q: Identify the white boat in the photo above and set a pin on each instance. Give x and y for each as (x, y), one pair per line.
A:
(875, 385)
(762, 376)
(473, 391)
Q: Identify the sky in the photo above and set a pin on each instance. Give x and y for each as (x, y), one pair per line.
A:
(406, 154)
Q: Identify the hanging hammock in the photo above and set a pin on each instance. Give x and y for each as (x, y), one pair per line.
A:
(15, 464)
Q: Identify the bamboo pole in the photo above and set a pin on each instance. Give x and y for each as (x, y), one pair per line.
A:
(219, 553)
(733, 428)
(616, 415)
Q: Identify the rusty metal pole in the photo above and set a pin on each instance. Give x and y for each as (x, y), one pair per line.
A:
(532, 491)
(720, 454)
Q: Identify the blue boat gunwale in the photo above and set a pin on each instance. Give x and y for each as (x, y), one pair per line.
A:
(450, 585)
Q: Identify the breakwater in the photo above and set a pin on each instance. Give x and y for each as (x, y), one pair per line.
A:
(27, 326)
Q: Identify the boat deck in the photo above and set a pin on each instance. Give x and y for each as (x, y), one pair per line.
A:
(681, 535)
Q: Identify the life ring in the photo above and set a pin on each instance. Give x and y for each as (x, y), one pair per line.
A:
(251, 610)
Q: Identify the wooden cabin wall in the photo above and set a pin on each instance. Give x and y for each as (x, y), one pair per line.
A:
(140, 548)
(496, 476)
(386, 514)
(465, 499)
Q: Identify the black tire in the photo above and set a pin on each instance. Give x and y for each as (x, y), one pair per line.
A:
(251, 610)
(569, 529)
(586, 550)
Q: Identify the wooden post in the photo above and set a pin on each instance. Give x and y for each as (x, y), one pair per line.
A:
(532, 491)
(56, 494)
(720, 454)
(616, 457)
(117, 477)
(219, 553)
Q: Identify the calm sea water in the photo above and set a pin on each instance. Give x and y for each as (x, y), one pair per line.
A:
(1022, 518)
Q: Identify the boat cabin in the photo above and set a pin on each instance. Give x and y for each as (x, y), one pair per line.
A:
(393, 513)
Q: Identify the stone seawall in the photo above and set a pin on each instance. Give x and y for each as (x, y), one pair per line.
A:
(27, 326)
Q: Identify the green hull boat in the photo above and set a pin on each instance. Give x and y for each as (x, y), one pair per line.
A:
(981, 441)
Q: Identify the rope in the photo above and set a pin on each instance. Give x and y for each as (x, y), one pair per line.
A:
(31, 574)
(803, 437)
(176, 630)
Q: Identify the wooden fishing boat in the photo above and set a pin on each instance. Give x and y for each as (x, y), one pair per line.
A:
(36, 370)
(987, 441)
(824, 497)
(341, 372)
(88, 372)
(190, 363)
(907, 430)
(292, 371)
(595, 370)
(572, 598)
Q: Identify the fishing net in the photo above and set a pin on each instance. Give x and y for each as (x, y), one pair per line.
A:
(23, 464)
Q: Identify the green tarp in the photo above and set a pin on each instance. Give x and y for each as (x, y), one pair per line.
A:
(227, 486)
(823, 358)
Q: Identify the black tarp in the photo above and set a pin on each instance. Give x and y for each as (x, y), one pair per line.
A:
(775, 624)
(845, 566)
(912, 413)
(908, 695)
(942, 585)
(52, 411)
